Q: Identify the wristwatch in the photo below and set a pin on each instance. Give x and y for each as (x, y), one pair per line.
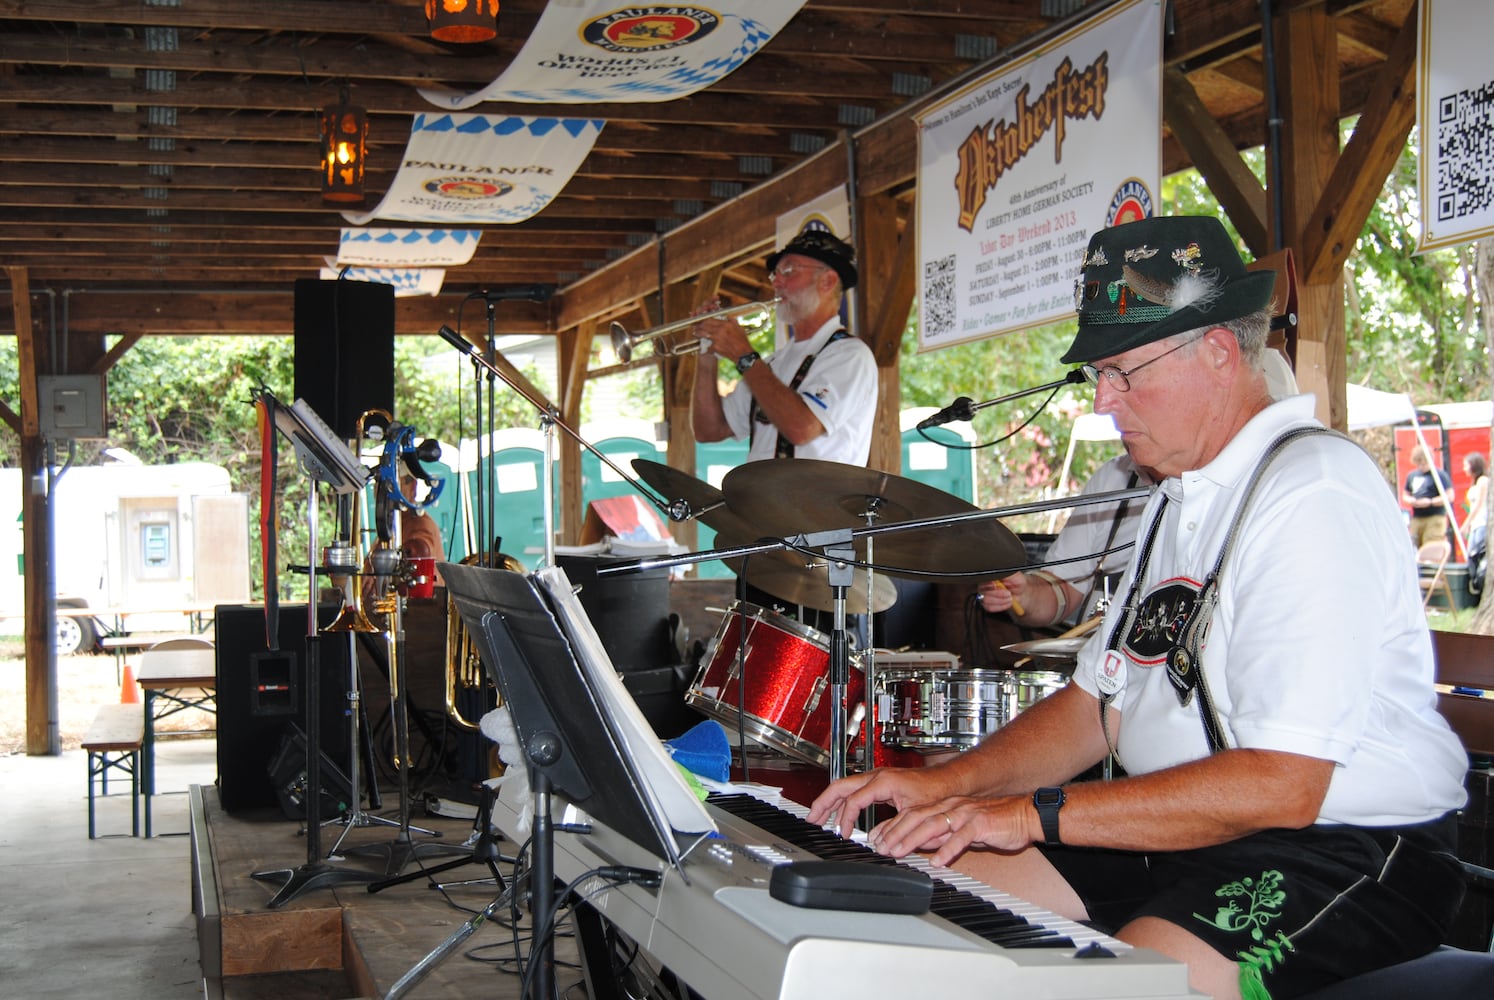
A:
(1048, 801)
(746, 361)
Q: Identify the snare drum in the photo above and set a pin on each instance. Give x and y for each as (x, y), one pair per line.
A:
(933, 710)
(786, 671)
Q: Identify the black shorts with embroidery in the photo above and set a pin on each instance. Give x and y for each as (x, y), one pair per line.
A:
(1297, 909)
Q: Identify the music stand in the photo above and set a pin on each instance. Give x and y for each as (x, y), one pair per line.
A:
(582, 733)
(325, 460)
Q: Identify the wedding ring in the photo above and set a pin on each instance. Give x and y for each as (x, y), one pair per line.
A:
(949, 821)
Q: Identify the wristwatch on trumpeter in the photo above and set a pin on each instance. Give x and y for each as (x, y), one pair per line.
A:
(746, 361)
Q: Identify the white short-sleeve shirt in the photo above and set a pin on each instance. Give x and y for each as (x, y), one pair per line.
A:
(840, 388)
(1318, 646)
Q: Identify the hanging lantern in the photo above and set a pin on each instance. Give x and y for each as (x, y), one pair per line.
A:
(344, 145)
(462, 20)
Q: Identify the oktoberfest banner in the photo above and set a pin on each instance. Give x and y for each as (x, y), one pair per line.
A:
(378, 247)
(596, 52)
(1016, 170)
(406, 281)
(1455, 119)
(473, 169)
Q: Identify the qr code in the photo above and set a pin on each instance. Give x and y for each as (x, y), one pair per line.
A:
(1465, 149)
(939, 296)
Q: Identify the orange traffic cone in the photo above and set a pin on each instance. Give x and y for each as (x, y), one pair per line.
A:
(129, 691)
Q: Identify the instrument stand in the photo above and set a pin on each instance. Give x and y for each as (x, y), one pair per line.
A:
(401, 850)
(484, 850)
(356, 817)
(315, 873)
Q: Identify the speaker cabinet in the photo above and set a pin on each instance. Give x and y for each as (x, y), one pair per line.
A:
(344, 333)
(262, 698)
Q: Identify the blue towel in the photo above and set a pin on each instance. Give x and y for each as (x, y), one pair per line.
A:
(703, 750)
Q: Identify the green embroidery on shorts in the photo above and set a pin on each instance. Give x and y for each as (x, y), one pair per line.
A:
(1269, 954)
(1262, 899)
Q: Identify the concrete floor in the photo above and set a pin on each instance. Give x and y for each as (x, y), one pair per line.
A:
(97, 918)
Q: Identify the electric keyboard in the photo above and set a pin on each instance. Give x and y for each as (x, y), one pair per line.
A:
(713, 924)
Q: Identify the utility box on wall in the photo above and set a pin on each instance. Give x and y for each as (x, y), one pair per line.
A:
(71, 406)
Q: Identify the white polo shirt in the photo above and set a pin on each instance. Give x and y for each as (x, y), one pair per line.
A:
(840, 388)
(1318, 646)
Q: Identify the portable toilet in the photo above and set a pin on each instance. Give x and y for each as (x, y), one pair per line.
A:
(939, 456)
(712, 462)
(513, 471)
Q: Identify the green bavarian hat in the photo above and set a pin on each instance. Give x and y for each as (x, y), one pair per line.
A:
(819, 245)
(1152, 278)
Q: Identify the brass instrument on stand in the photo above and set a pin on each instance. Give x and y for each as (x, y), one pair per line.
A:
(464, 670)
(352, 617)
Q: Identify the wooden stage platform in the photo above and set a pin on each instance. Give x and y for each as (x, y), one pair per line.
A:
(343, 942)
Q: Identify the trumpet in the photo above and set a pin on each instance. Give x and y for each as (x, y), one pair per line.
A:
(623, 342)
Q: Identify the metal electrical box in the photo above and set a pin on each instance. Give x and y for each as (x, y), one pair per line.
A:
(71, 406)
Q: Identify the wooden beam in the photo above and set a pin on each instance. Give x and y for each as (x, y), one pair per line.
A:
(116, 352)
(575, 352)
(1229, 179)
(1367, 160)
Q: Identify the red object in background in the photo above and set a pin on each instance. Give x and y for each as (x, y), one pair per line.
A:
(1454, 432)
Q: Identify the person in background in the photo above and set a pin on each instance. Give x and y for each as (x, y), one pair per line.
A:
(815, 398)
(1288, 817)
(1423, 493)
(1476, 502)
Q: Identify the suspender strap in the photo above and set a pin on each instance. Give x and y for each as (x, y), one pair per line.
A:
(785, 447)
(1184, 662)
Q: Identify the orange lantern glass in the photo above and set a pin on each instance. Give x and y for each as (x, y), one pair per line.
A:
(462, 20)
(344, 147)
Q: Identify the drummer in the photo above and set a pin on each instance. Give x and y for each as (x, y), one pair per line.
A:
(1073, 589)
(1098, 537)
(815, 398)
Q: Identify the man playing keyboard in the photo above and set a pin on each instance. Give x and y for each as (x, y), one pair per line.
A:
(1265, 681)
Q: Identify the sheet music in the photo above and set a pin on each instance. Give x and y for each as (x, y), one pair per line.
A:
(670, 796)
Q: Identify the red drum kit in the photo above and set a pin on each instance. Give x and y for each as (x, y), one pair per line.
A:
(769, 675)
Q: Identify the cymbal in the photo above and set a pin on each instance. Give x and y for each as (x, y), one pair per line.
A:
(1064, 649)
(796, 578)
(707, 504)
(782, 498)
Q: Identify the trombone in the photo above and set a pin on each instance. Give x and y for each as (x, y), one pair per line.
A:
(623, 342)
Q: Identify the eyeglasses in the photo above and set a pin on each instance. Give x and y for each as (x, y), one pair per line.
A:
(1119, 380)
(789, 269)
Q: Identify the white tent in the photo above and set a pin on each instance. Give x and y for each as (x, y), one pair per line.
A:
(1373, 408)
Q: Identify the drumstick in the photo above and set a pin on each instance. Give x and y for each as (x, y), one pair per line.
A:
(1017, 608)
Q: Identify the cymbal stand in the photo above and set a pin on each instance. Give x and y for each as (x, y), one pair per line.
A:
(839, 554)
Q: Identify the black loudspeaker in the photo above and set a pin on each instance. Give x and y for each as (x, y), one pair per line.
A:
(629, 610)
(344, 350)
(262, 698)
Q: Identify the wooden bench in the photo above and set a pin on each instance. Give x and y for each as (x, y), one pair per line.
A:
(113, 743)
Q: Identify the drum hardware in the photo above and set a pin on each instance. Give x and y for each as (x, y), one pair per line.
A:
(623, 342)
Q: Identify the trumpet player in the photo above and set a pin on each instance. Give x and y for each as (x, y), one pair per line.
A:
(815, 398)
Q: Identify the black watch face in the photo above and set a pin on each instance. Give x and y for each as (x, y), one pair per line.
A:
(1048, 796)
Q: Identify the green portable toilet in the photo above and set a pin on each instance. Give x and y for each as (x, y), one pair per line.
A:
(515, 474)
(928, 459)
(598, 481)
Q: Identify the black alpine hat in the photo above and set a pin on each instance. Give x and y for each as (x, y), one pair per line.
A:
(1152, 278)
(825, 248)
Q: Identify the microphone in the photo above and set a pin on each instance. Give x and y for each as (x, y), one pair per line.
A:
(534, 293)
(457, 340)
(963, 409)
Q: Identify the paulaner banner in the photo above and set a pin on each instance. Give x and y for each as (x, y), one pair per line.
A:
(1455, 119)
(595, 52)
(1016, 170)
(375, 246)
(471, 169)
